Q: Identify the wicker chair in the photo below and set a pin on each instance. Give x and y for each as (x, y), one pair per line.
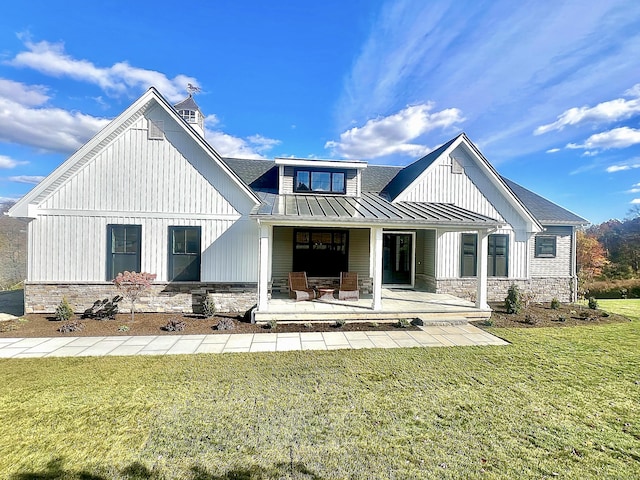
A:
(299, 288)
(348, 286)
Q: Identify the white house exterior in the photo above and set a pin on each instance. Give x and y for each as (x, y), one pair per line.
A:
(148, 193)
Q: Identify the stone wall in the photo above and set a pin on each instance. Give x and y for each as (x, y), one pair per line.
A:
(187, 297)
(540, 289)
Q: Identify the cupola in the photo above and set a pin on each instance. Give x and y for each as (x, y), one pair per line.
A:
(188, 109)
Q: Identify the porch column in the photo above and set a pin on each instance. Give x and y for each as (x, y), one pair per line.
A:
(376, 266)
(483, 252)
(263, 267)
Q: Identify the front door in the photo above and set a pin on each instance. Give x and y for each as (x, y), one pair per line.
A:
(397, 258)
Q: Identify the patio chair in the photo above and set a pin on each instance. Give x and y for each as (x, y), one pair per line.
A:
(348, 286)
(299, 288)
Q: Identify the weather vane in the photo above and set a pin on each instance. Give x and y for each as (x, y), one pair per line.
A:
(191, 89)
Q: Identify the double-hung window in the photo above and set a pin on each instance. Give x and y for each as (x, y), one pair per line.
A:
(469, 255)
(123, 249)
(498, 256)
(319, 181)
(184, 254)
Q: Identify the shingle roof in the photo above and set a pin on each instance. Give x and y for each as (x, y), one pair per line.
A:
(545, 211)
(369, 208)
(187, 104)
(260, 175)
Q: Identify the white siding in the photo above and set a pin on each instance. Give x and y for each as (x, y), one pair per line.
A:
(153, 183)
(351, 180)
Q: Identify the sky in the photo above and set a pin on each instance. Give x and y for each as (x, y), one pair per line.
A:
(549, 90)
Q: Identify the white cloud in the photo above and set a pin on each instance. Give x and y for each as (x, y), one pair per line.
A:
(621, 137)
(25, 120)
(610, 111)
(235, 147)
(622, 168)
(262, 144)
(553, 150)
(31, 179)
(8, 162)
(635, 201)
(394, 134)
(120, 78)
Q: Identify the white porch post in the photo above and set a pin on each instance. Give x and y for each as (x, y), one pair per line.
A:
(263, 267)
(376, 266)
(483, 251)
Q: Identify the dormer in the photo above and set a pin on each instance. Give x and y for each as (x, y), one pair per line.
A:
(188, 109)
(319, 177)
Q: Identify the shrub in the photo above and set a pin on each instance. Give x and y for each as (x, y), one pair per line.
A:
(593, 303)
(555, 304)
(132, 285)
(175, 325)
(341, 322)
(272, 325)
(103, 309)
(488, 322)
(208, 307)
(308, 325)
(123, 328)
(530, 319)
(225, 324)
(403, 323)
(562, 318)
(63, 311)
(417, 322)
(68, 327)
(513, 301)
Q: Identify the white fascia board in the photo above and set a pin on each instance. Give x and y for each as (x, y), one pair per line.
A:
(299, 162)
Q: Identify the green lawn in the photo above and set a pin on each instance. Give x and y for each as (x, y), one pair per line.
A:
(557, 403)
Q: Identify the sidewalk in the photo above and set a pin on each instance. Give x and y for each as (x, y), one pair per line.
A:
(428, 336)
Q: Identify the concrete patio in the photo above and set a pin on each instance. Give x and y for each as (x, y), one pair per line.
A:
(427, 336)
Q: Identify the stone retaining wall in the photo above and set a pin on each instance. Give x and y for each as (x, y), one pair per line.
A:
(540, 289)
(184, 297)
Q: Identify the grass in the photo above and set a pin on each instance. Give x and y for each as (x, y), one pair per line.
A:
(556, 403)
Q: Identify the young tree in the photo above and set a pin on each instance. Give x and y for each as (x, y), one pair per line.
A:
(590, 255)
(132, 285)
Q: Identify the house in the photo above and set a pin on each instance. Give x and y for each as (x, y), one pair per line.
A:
(148, 193)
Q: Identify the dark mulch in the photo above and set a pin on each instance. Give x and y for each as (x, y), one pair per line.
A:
(45, 325)
(542, 315)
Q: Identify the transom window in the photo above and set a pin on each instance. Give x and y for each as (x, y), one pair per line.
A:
(546, 247)
(319, 181)
(123, 249)
(184, 254)
(320, 253)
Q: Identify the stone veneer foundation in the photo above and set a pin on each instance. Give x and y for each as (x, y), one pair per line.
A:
(183, 297)
(540, 289)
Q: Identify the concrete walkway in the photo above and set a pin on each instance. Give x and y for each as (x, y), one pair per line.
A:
(428, 336)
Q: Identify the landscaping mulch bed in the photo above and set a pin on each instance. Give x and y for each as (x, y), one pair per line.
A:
(45, 325)
(542, 315)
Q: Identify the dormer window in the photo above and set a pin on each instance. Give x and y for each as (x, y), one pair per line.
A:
(319, 181)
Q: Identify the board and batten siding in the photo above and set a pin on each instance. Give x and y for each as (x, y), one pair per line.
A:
(449, 244)
(155, 183)
(558, 266)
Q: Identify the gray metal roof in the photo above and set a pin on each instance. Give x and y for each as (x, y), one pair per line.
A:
(370, 208)
(187, 104)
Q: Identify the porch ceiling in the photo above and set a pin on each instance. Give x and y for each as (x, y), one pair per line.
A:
(369, 208)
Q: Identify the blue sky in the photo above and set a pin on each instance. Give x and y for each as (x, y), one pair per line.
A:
(548, 90)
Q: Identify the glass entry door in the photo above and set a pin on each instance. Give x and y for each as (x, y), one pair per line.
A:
(397, 258)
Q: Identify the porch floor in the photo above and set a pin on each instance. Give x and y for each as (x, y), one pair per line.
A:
(431, 308)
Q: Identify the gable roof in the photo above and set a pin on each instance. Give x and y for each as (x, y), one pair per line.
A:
(547, 212)
(106, 135)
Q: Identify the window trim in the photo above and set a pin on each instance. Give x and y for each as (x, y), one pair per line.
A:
(311, 171)
(170, 264)
(491, 259)
(109, 267)
(539, 239)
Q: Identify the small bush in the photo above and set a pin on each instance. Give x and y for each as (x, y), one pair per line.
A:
(272, 324)
(562, 318)
(488, 322)
(64, 312)
(555, 304)
(68, 327)
(123, 328)
(593, 303)
(513, 301)
(375, 324)
(341, 322)
(417, 322)
(225, 324)
(530, 319)
(175, 325)
(308, 325)
(403, 323)
(208, 307)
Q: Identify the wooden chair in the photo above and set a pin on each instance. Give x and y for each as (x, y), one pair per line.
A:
(348, 286)
(299, 288)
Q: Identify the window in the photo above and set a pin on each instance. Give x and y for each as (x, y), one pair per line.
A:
(184, 254)
(123, 249)
(188, 115)
(498, 258)
(320, 253)
(469, 255)
(319, 181)
(546, 247)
